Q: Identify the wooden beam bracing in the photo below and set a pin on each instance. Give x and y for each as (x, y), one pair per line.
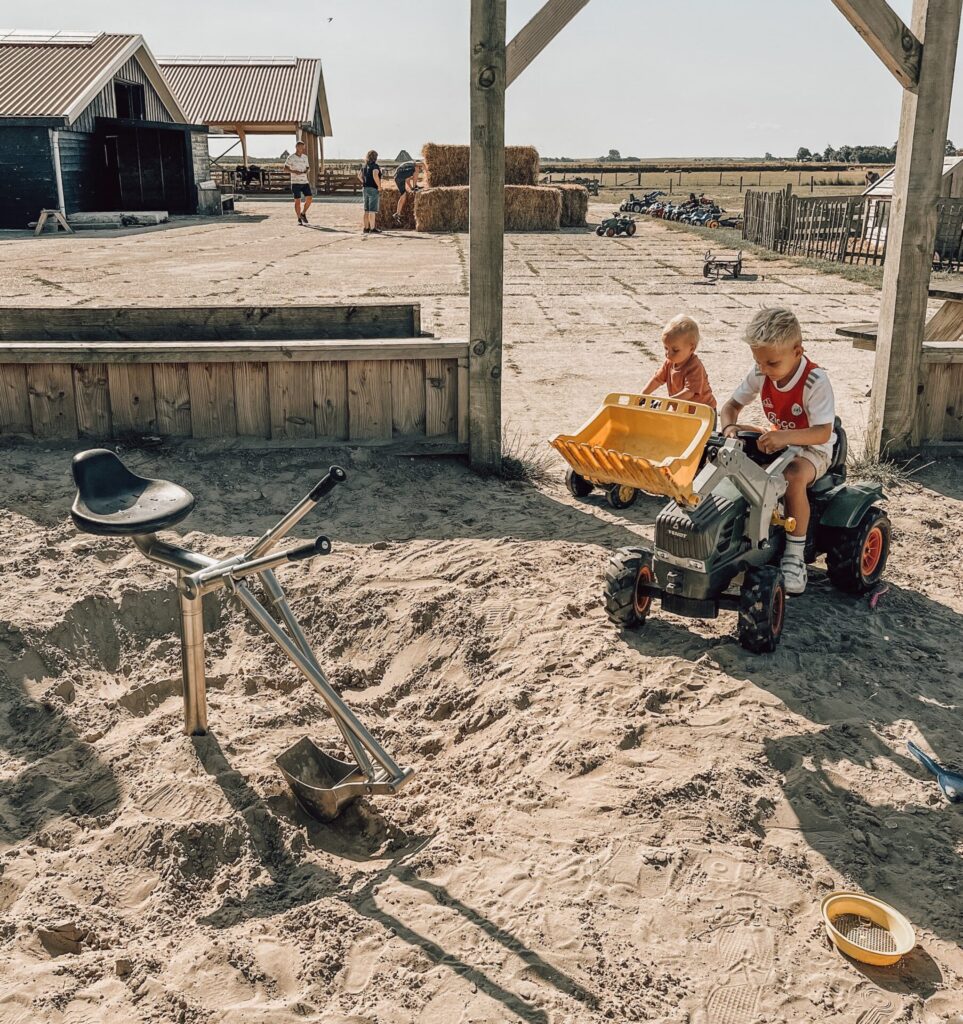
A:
(897, 46)
(538, 33)
(894, 424)
(486, 233)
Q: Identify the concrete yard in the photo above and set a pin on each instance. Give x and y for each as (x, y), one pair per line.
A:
(582, 313)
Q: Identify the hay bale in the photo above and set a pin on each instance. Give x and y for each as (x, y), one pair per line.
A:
(527, 208)
(388, 205)
(574, 205)
(532, 208)
(448, 165)
(442, 209)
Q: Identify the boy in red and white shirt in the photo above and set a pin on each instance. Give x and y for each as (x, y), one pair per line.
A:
(797, 399)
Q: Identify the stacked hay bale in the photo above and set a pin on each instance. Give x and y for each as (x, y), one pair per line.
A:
(388, 206)
(448, 165)
(527, 208)
(442, 209)
(574, 204)
(443, 206)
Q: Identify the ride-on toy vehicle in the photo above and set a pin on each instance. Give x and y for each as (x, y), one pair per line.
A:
(616, 225)
(719, 541)
(636, 204)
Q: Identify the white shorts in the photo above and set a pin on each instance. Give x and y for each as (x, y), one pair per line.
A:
(818, 458)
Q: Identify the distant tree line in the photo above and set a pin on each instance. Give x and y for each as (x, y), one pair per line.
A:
(858, 154)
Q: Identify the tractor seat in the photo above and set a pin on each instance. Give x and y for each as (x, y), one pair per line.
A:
(113, 502)
(836, 473)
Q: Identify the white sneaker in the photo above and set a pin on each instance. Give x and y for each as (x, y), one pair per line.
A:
(795, 573)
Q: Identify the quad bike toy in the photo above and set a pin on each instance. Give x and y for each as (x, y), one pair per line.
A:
(634, 204)
(719, 541)
(616, 225)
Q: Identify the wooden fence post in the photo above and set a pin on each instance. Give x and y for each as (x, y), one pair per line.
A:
(893, 426)
(486, 233)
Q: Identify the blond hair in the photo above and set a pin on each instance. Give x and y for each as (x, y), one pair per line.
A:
(681, 326)
(773, 326)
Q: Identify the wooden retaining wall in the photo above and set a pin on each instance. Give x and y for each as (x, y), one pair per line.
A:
(281, 373)
(366, 390)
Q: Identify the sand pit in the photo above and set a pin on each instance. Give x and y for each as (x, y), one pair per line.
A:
(602, 827)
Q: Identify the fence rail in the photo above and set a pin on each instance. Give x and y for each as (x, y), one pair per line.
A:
(843, 229)
(272, 179)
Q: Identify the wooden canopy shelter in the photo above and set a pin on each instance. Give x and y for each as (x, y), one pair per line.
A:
(255, 96)
(921, 56)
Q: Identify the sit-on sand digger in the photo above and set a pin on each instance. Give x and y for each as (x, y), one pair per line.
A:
(719, 541)
(112, 501)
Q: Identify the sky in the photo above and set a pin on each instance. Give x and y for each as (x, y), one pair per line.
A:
(651, 79)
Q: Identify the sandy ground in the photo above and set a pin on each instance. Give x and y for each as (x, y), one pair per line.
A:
(601, 828)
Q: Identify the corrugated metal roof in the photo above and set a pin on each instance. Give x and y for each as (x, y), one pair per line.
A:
(46, 80)
(884, 187)
(249, 91)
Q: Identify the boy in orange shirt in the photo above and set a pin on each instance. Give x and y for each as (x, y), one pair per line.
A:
(682, 373)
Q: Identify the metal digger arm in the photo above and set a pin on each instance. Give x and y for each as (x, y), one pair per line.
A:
(761, 486)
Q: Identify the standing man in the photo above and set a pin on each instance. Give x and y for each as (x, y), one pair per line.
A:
(297, 165)
(407, 177)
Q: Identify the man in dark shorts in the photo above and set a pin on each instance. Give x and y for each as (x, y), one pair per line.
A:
(406, 178)
(297, 166)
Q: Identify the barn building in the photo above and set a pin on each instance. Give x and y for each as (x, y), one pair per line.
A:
(246, 96)
(88, 123)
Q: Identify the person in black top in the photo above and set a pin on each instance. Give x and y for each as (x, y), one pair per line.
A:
(370, 178)
(406, 178)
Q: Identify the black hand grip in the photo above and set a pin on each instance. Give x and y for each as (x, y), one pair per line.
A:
(320, 546)
(335, 475)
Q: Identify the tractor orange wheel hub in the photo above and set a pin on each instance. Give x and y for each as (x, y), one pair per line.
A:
(872, 551)
(642, 599)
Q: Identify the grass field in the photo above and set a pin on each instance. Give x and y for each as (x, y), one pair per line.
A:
(728, 188)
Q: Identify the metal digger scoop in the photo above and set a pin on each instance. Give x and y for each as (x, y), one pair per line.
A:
(113, 501)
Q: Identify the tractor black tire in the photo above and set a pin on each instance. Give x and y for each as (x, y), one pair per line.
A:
(600, 231)
(627, 569)
(737, 269)
(619, 496)
(610, 232)
(856, 558)
(706, 269)
(630, 230)
(762, 609)
(577, 485)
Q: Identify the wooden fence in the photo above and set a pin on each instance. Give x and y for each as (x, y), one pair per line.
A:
(273, 180)
(278, 374)
(844, 229)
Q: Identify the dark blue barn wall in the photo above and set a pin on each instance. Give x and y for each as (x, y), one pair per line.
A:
(27, 174)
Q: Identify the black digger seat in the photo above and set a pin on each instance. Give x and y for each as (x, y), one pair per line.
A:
(113, 502)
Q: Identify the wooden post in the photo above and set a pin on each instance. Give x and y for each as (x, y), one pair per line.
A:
(893, 426)
(242, 135)
(740, 183)
(486, 233)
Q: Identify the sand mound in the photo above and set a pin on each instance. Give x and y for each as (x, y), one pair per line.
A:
(601, 827)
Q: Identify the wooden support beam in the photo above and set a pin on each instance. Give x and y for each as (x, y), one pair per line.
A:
(894, 424)
(486, 227)
(537, 34)
(896, 45)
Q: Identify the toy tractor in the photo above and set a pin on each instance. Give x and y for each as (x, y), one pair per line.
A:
(719, 541)
(616, 225)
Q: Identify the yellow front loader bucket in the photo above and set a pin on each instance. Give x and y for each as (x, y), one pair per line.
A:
(653, 444)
